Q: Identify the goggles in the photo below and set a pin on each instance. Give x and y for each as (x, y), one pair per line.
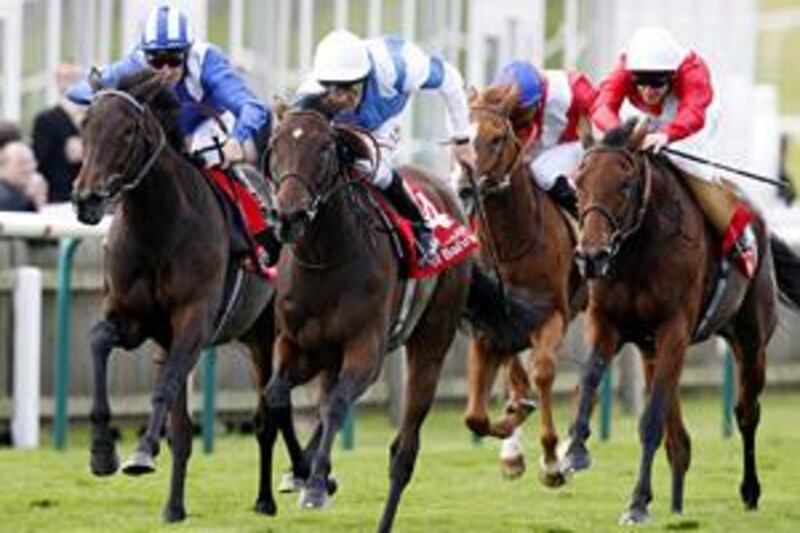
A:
(159, 60)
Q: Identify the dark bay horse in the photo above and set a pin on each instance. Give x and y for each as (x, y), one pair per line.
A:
(169, 275)
(339, 291)
(528, 240)
(653, 264)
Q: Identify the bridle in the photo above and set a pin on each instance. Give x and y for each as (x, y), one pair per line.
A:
(619, 231)
(116, 183)
(482, 185)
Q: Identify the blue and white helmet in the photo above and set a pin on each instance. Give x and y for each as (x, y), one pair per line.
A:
(166, 28)
(526, 77)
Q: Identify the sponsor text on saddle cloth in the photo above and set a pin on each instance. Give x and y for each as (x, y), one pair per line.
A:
(251, 219)
(456, 241)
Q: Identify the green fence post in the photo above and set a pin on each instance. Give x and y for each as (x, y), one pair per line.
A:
(349, 429)
(209, 399)
(605, 404)
(727, 394)
(66, 252)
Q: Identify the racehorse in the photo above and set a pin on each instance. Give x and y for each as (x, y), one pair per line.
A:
(657, 280)
(339, 291)
(170, 275)
(528, 240)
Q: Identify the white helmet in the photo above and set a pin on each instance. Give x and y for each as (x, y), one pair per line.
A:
(653, 49)
(341, 57)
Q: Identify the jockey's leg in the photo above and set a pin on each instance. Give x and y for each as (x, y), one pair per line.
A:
(397, 193)
(550, 170)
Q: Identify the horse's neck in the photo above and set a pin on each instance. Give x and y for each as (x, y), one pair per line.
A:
(515, 215)
(160, 201)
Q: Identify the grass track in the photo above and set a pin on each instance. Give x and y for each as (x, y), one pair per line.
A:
(457, 486)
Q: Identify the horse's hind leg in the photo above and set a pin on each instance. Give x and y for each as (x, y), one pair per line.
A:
(482, 367)
(104, 457)
(546, 340)
(679, 453)
(748, 414)
(180, 427)
(512, 458)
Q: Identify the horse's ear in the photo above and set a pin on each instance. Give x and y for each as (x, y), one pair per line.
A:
(639, 130)
(472, 94)
(585, 132)
(146, 91)
(510, 99)
(95, 79)
(280, 106)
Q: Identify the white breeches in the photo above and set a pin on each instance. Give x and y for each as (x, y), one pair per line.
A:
(559, 160)
(203, 137)
(388, 139)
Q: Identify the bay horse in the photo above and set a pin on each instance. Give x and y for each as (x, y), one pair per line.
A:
(169, 276)
(653, 264)
(339, 291)
(527, 238)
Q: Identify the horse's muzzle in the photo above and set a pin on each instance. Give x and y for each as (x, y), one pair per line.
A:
(594, 263)
(90, 208)
(289, 227)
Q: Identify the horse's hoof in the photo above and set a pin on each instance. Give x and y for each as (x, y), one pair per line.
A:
(332, 484)
(291, 483)
(550, 474)
(314, 496)
(750, 495)
(266, 507)
(104, 461)
(634, 516)
(512, 467)
(139, 463)
(174, 514)
(575, 459)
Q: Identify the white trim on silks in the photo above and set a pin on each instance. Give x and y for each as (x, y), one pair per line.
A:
(556, 107)
(194, 66)
(702, 143)
(151, 29)
(560, 160)
(173, 25)
(384, 66)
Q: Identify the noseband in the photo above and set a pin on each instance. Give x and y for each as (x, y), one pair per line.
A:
(619, 232)
(116, 183)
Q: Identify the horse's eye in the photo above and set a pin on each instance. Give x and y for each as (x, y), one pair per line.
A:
(629, 187)
(497, 142)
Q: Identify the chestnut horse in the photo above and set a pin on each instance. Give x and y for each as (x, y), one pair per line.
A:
(339, 289)
(653, 264)
(170, 276)
(528, 240)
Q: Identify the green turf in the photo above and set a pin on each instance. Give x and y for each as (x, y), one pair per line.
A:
(457, 486)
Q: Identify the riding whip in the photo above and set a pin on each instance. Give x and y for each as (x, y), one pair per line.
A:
(745, 173)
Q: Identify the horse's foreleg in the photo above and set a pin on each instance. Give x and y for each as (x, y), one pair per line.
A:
(679, 452)
(266, 433)
(104, 457)
(360, 367)
(183, 354)
(748, 415)
(180, 427)
(671, 341)
(482, 369)
(519, 407)
(546, 340)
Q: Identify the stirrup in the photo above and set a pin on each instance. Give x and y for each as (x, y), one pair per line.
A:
(427, 245)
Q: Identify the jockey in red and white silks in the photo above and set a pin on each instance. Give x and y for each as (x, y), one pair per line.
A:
(658, 79)
(550, 105)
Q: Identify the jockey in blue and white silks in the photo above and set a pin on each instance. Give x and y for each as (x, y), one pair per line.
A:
(368, 83)
(204, 81)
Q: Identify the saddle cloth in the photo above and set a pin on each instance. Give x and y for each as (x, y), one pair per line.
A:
(248, 220)
(456, 241)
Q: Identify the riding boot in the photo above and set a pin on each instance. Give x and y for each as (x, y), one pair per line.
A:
(401, 199)
(564, 195)
(739, 243)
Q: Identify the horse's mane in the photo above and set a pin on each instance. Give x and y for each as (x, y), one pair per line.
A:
(160, 98)
(620, 136)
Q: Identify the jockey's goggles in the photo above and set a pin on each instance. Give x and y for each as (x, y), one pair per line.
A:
(344, 86)
(167, 58)
(656, 80)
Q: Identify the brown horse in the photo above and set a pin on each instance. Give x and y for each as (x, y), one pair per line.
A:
(340, 289)
(170, 276)
(654, 265)
(528, 240)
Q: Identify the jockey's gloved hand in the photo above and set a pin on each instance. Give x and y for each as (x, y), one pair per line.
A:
(232, 152)
(464, 152)
(655, 141)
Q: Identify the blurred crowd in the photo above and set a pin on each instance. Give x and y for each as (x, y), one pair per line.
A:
(41, 169)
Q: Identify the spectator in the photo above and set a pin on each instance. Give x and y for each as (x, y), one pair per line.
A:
(21, 187)
(9, 132)
(56, 138)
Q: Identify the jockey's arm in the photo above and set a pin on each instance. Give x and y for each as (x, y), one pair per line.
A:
(694, 92)
(584, 93)
(82, 92)
(227, 90)
(610, 95)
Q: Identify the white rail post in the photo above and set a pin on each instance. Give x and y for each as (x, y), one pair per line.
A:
(27, 356)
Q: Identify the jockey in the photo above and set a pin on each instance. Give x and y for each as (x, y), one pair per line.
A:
(203, 80)
(367, 83)
(657, 79)
(550, 105)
